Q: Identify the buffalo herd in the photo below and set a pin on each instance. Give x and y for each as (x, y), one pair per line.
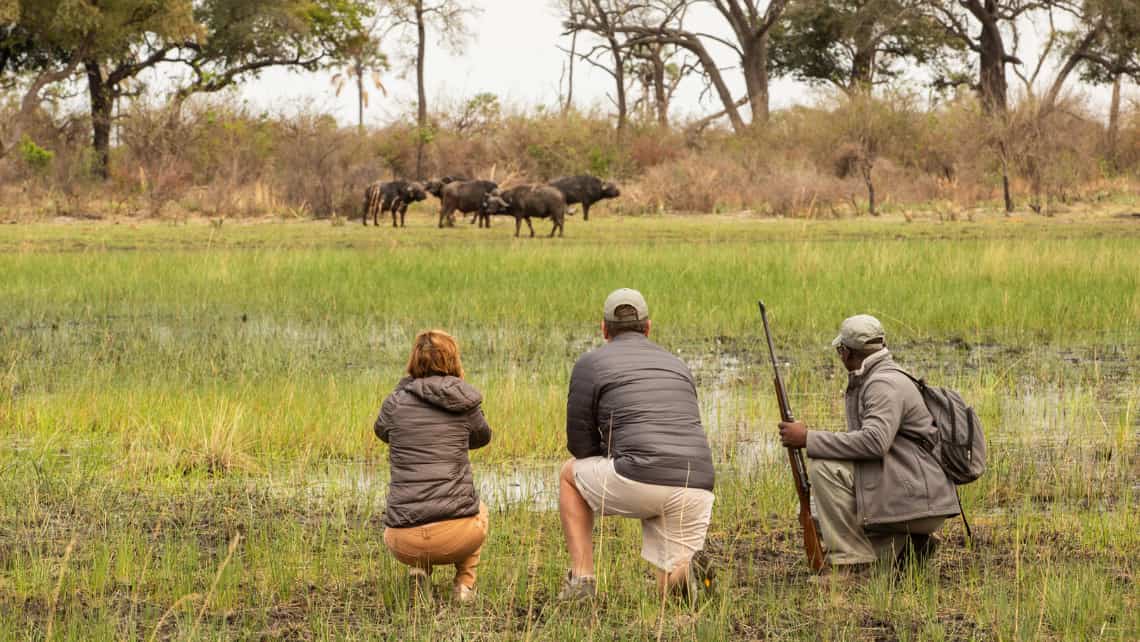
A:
(484, 199)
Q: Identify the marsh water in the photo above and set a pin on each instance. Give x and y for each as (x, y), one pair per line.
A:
(1071, 410)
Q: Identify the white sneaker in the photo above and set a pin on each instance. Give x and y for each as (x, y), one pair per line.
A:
(583, 587)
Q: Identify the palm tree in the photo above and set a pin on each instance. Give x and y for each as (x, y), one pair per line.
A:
(363, 62)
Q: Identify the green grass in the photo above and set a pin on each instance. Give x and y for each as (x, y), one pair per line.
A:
(165, 389)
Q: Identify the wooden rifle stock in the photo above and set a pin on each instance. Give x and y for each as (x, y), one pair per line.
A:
(812, 545)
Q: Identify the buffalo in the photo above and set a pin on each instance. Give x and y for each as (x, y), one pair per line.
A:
(465, 197)
(435, 187)
(530, 201)
(394, 197)
(586, 190)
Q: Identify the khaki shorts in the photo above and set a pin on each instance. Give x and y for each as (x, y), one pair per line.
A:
(674, 521)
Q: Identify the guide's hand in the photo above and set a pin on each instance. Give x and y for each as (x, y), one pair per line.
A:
(793, 434)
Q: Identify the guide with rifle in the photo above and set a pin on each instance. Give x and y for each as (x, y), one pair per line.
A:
(880, 489)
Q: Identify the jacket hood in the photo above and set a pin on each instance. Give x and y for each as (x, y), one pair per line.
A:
(449, 393)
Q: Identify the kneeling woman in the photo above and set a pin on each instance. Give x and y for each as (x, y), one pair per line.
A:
(431, 420)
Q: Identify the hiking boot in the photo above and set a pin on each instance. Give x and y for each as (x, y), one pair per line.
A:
(919, 550)
(463, 594)
(583, 587)
(419, 584)
(700, 578)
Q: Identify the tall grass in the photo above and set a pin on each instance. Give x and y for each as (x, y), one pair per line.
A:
(185, 414)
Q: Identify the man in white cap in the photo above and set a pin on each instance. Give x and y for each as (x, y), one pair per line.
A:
(633, 425)
(879, 490)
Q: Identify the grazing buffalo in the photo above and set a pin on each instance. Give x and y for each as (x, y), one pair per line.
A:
(435, 187)
(586, 190)
(394, 197)
(465, 197)
(531, 201)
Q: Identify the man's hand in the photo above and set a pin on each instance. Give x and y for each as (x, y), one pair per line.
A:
(793, 434)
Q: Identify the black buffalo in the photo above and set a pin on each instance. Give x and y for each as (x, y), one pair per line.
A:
(531, 201)
(435, 187)
(586, 190)
(394, 197)
(463, 196)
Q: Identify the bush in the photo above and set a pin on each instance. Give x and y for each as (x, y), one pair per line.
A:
(219, 158)
(35, 157)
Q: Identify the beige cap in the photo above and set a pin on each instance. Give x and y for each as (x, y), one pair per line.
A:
(860, 330)
(625, 296)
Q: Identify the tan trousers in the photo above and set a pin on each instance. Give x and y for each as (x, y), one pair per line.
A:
(451, 541)
(833, 491)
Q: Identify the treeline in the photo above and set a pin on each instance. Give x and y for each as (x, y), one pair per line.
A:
(875, 144)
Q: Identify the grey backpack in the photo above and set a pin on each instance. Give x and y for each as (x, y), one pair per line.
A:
(959, 432)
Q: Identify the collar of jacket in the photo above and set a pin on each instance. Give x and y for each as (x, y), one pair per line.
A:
(872, 363)
(630, 336)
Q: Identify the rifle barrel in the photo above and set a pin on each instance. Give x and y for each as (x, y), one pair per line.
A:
(813, 547)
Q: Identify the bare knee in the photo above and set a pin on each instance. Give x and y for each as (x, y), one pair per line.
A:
(566, 473)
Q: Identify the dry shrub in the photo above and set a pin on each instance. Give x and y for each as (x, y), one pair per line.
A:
(1128, 142)
(1053, 150)
(323, 168)
(804, 191)
(695, 183)
(654, 146)
(714, 182)
(219, 158)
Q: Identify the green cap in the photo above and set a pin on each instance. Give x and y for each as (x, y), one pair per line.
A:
(625, 296)
(860, 331)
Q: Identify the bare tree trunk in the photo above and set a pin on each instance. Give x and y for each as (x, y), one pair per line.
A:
(1005, 190)
(991, 80)
(421, 113)
(359, 95)
(1113, 135)
(863, 60)
(713, 71)
(755, 62)
(619, 80)
(570, 80)
(660, 93)
(101, 104)
(867, 166)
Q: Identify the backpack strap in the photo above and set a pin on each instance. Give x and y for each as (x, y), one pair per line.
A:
(922, 441)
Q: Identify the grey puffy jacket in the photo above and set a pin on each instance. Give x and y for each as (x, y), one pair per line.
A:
(635, 402)
(430, 424)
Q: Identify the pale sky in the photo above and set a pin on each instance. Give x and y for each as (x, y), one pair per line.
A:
(512, 53)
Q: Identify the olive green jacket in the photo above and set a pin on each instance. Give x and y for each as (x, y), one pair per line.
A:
(897, 478)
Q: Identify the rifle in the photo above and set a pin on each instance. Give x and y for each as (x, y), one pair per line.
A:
(812, 545)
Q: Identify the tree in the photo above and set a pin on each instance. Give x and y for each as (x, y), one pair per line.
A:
(216, 42)
(663, 22)
(21, 59)
(994, 18)
(652, 64)
(863, 128)
(752, 27)
(448, 19)
(1113, 56)
(852, 44)
(599, 17)
(362, 58)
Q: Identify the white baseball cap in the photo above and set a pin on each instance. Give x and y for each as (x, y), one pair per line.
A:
(860, 331)
(625, 296)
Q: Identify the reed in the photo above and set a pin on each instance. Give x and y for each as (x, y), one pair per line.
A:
(194, 404)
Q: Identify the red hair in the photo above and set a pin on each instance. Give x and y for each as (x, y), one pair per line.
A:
(435, 352)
